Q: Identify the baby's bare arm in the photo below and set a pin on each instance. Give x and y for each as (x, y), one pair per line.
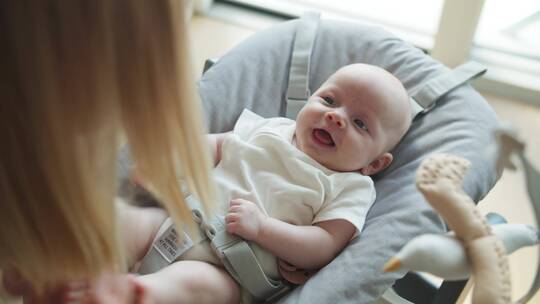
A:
(307, 247)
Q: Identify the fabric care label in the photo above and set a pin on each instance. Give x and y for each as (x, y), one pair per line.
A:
(170, 245)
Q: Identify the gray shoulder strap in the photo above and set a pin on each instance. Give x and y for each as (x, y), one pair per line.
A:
(298, 90)
(425, 99)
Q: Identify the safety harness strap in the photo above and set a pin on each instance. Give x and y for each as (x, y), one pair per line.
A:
(298, 90)
(154, 259)
(426, 98)
(242, 260)
(236, 254)
(167, 245)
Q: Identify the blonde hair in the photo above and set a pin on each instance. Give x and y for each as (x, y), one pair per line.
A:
(74, 74)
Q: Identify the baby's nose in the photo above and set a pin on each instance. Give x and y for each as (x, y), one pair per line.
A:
(334, 117)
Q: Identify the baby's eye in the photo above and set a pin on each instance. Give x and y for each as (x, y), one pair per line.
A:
(328, 100)
(360, 124)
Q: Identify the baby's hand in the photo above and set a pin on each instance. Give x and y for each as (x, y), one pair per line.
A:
(244, 219)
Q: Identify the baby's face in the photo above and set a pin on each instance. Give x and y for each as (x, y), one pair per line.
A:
(359, 113)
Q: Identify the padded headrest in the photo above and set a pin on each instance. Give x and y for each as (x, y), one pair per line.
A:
(254, 75)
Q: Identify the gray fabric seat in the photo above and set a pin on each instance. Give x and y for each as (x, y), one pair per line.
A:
(254, 75)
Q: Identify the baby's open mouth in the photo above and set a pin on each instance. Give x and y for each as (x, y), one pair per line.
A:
(323, 137)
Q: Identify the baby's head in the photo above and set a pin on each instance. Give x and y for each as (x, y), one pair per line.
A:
(354, 119)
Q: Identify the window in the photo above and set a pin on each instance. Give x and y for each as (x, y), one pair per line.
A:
(506, 38)
(400, 17)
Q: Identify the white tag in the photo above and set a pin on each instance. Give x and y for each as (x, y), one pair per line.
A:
(170, 246)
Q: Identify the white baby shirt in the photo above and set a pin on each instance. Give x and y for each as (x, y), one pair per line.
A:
(259, 163)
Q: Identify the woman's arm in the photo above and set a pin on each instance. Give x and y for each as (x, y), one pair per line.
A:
(308, 247)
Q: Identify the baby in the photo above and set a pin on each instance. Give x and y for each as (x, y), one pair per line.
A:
(300, 190)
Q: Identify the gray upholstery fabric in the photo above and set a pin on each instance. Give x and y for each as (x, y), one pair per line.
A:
(254, 75)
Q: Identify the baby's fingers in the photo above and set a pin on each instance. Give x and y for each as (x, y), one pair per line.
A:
(234, 208)
(239, 202)
(232, 227)
(231, 217)
(236, 202)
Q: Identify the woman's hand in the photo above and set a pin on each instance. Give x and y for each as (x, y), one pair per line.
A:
(18, 286)
(13, 282)
(108, 288)
(244, 219)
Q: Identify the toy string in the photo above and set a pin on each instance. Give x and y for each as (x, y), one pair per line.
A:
(532, 177)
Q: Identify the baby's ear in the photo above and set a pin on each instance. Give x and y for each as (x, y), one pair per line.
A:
(379, 164)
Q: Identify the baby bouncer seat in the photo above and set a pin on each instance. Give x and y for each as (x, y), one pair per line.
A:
(272, 73)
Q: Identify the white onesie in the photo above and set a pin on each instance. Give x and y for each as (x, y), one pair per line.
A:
(259, 163)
